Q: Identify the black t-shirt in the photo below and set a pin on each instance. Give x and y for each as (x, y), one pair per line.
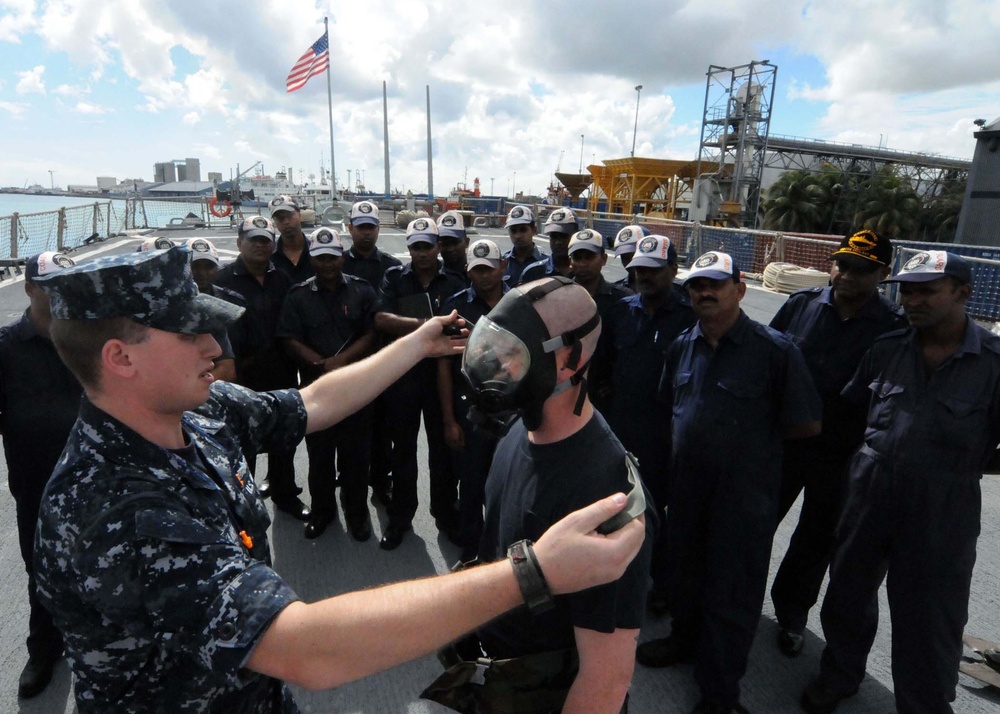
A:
(529, 488)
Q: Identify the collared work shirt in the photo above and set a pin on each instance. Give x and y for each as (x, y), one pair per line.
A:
(732, 404)
(833, 348)
(328, 320)
(296, 272)
(370, 269)
(156, 568)
(512, 273)
(265, 365)
(931, 425)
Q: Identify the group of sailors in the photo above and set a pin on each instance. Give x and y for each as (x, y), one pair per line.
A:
(883, 416)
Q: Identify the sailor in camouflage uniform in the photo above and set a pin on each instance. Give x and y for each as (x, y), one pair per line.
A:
(151, 550)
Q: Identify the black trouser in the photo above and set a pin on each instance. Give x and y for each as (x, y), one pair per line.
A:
(921, 529)
(648, 439)
(471, 466)
(413, 395)
(44, 639)
(719, 536)
(799, 579)
(349, 443)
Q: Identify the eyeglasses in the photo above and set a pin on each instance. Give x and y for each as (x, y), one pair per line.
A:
(861, 267)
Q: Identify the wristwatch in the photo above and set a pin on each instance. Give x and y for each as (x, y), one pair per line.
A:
(530, 579)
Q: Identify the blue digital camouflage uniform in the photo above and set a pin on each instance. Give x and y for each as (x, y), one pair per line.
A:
(157, 565)
(913, 511)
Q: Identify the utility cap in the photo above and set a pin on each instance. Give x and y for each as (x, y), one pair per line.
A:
(628, 238)
(519, 216)
(586, 239)
(713, 265)
(203, 249)
(451, 224)
(38, 266)
(931, 265)
(561, 220)
(255, 226)
(325, 241)
(154, 288)
(866, 244)
(364, 212)
(654, 251)
(283, 203)
(483, 252)
(421, 230)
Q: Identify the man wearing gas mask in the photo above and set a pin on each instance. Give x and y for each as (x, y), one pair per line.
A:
(526, 363)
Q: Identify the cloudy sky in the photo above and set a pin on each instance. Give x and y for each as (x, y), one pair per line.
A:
(108, 87)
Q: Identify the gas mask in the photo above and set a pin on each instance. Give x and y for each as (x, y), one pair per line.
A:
(509, 360)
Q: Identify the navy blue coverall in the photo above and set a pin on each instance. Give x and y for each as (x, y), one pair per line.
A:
(832, 348)
(912, 512)
(731, 407)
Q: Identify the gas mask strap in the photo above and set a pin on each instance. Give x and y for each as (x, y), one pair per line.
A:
(572, 338)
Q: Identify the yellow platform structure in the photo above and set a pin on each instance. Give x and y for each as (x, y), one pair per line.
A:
(642, 186)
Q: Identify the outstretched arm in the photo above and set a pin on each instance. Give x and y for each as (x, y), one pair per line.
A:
(340, 393)
(334, 641)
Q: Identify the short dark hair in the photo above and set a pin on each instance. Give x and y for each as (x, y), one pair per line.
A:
(79, 343)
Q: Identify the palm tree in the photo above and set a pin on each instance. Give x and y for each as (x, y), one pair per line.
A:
(796, 202)
(889, 206)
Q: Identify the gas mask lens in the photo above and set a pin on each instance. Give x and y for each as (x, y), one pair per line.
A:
(495, 362)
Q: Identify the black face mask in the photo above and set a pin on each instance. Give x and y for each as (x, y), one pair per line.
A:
(509, 361)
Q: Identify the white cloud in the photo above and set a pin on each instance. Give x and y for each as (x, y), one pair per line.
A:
(514, 85)
(17, 18)
(15, 109)
(67, 90)
(31, 81)
(88, 108)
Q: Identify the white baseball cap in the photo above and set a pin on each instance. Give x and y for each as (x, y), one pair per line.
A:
(483, 252)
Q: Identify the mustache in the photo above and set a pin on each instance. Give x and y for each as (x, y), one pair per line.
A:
(707, 298)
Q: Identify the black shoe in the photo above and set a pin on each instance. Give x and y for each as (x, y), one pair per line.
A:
(707, 707)
(393, 537)
(295, 508)
(790, 642)
(360, 529)
(35, 677)
(317, 525)
(819, 698)
(664, 652)
(264, 488)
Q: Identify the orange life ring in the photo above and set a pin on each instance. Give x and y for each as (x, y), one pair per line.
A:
(225, 211)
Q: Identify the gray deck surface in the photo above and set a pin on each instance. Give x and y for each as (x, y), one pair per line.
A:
(335, 564)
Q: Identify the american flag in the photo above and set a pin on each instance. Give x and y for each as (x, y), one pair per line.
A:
(316, 60)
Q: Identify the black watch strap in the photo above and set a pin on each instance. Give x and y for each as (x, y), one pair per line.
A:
(534, 589)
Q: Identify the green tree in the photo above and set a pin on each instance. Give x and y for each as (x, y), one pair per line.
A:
(796, 202)
(889, 206)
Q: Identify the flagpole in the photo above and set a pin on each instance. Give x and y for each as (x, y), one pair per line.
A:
(329, 104)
